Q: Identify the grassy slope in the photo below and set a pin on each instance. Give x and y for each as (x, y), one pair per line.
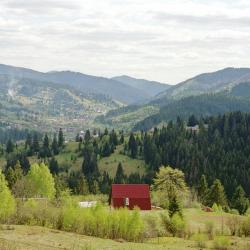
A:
(110, 163)
(28, 237)
(38, 238)
(70, 159)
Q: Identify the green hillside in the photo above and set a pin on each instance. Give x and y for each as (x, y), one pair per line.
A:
(45, 106)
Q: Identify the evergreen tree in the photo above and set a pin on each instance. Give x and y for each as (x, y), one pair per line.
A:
(174, 206)
(83, 186)
(54, 146)
(28, 141)
(120, 177)
(13, 174)
(217, 194)
(89, 166)
(122, 138)
(53, 166)
(35, 143)
(132, 144)
(9, 147)
(203, 190)
(87, 136)
(239, 200)
(60, 138)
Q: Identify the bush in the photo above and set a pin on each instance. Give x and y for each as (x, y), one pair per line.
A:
(101, 222)
(245, 226)
(200, 240)
(176, 225)
(221, 243)
(153, 225)
(209, 227)
(233, 223)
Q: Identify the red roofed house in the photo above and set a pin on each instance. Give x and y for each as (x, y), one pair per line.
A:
(131, 195)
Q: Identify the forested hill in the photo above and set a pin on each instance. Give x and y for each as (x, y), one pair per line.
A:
(203, 105)
(218, 148)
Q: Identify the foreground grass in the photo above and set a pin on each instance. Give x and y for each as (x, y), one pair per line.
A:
(39, 238)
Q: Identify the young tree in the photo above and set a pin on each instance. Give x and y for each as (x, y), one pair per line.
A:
(217, 194)
(239, 200)
(170, 181)
(174, 206)
(13, 174)
(42, 181)
(7, 202)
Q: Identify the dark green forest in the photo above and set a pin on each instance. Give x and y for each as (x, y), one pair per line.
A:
(213, 152)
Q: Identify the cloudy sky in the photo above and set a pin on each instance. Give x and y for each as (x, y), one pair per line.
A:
(162, 40)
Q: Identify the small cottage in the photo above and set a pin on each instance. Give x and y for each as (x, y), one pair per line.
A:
(130, 196)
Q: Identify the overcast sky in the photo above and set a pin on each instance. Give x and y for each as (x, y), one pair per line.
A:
(164, 40)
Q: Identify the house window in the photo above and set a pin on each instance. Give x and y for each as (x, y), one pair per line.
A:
(126, 201)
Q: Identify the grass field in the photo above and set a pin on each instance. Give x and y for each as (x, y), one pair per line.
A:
(39, 238)
(129, 165)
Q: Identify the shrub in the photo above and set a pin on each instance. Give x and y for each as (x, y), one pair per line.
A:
(209, 227)
(176, 225)
(101, 222)
(221, 243)
(200, 240)
(245, 226)
(233, 223)
(153, 225)
(7, 202)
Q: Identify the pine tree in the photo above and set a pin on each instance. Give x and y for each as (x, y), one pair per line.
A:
(13, 174)
(28, 141)
(83, 186)
(120, 177)
(203, 190)
(217, 194)
(60, 138)
(122, 139)
(35, 143)
(9, 147)
(174, 206)
(54, 146)
(132, 144)
(53, 166)
(87, 136)
(239, 200)
(89, 166)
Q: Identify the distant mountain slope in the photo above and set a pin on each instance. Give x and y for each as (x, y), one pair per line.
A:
(150, 88)
(85, 83)
(29, 103)
(203, 105)
(207, 83)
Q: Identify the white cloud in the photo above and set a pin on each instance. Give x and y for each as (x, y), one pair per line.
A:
(161, 40)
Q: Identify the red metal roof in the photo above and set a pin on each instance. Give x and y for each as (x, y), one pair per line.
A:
(130, 190)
